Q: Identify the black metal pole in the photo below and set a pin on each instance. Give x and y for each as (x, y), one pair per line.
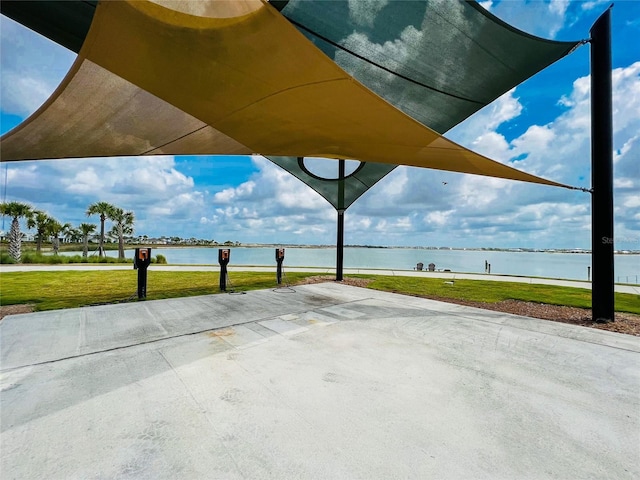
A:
(279, 260)
(141, 261)
(340, 228)
(602, 293)
(223, 278)
(340, 247)
(142, 283)
(224, 255)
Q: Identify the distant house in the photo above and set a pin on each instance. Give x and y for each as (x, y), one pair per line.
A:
(157, 241)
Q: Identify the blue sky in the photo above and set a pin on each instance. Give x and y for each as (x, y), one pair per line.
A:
(542, 126)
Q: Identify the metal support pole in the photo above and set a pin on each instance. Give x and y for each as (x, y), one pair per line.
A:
(224, 255)
(340, 228)
(141, 261)
(223, 278)
(279, 260)
(340, 247)
(142, 283)
(602, 293)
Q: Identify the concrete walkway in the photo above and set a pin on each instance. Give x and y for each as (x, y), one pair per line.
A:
(326, 381)
(634, 289)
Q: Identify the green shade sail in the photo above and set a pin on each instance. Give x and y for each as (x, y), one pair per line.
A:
(437, 61)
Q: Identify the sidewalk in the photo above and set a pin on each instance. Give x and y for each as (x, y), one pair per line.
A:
(633, 289)
(326, 381)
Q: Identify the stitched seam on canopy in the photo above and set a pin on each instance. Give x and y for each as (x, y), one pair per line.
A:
(174, 140)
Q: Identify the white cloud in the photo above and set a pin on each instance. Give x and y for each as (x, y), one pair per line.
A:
(229, 195)
(151, 187)
(439, 218)
(360, 224)
(626, 148)
(396, 184)
(590, 5)
(623, 183)
(285, 190)
(25, 175)
(487, 120)
(381, 226)
(561, 149)
(540, 136)
(182, 204)
(84, 182)
(364, 12)
(542, 18)
(403, 223)
(31, 67)
(23, 95)
(492, 145)
(479, 193)
(486, 5)
(272, 203)
(632, 201)
(121, 178)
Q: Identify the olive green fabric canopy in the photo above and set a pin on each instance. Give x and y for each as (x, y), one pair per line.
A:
(439, 62)
(241, 77)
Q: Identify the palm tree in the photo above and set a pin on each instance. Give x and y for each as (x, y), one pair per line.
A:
(74, 235)
(103, 209)
(40, 221)
(16, 210)
(55, 229)
(86, 229)
(123, 225)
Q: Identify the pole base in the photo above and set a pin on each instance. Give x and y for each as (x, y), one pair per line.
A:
(604, 320)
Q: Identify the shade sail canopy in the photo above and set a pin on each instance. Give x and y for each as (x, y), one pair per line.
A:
(237, 77)
(439, 62)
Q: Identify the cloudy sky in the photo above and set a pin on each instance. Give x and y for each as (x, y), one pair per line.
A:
(544, 124)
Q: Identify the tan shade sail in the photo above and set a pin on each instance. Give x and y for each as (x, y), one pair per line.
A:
(235, 78)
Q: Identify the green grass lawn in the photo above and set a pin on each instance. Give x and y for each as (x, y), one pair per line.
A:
(492, 292)
(68, 289)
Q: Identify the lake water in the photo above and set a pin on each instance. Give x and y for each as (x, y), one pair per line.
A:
(538, 264)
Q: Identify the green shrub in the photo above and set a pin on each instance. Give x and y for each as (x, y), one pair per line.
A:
(31, 257)
(161, 259)
(6, 258)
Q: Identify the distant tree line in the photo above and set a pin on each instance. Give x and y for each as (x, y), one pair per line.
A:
(48, 227)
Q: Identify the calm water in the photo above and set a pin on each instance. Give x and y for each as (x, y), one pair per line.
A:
(538, 264)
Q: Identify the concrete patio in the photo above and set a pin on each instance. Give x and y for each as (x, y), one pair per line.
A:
(326, 381)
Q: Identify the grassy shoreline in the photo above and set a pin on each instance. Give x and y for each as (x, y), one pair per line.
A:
(71, 289)
(32, 258)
